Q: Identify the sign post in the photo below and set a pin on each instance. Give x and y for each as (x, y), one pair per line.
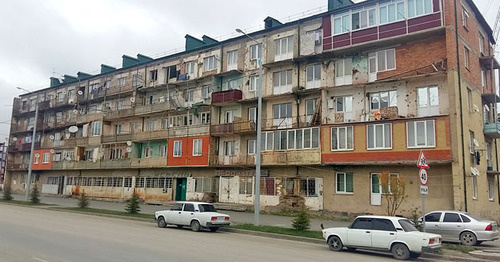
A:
(423, 177)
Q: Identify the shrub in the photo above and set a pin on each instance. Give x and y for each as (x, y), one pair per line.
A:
(7, 195)
(83, 201)
(132, 206)
(302, 222)
(35, 195)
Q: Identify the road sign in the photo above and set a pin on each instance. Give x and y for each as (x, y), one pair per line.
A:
(422, 162)
(424, 190)
(423, 176)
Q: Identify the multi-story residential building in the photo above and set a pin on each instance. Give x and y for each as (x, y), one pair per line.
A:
(347, 94)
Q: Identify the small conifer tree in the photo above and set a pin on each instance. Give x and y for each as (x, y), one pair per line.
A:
(302, 222)
(35, 195)
(83, 201)
(132, 206)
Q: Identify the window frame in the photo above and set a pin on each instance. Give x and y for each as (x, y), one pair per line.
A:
(209, 63)
(426, 134)
(375, 136)
(345, 190)
(177, 148)
(257, 50)
(197, 147)
(390, 94)
(280, 51)
(337, 138)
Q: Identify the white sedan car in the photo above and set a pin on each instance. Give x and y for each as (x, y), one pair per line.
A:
(395, 234)
(197, 215)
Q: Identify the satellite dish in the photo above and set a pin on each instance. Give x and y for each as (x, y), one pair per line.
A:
(132, 99)
(52, 151)
(129, 143)
(73, 129)
(80, 92)
(14, 139)
(51, 137)
(75, 111)
(129, 149)
(476, 143)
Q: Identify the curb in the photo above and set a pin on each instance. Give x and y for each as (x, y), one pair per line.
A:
(274, 235)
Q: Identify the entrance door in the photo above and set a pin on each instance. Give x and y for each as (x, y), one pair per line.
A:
(372, 67)
(60, 186)
(376, 191)
(180, 190)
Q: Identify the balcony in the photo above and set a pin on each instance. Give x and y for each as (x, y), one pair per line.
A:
(115, 163)
(15, 167)
(492, 130)
(248, 160)
(63, 165)
(291, 157)
(151, 135)
(149, 162)
(116, 138)
(87, 165)
(240, 127)
(226, 97)
(89, 117)
(152, 108)
(115, 114)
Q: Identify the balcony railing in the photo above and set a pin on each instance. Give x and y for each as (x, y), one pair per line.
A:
(149, 162)
(116, 138)
(158, 107)
(151, 135)
(115, 163)
(492, 130)
(247, 160)
(226, 97)
(292, 157)
(240, 127)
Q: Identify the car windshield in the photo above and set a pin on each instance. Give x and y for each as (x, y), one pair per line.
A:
(207, 208)
(407, 225)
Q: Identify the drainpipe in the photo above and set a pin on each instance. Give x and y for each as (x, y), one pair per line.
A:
(461, 106)
(297, 98)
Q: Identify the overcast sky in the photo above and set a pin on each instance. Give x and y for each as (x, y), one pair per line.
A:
(45, 38)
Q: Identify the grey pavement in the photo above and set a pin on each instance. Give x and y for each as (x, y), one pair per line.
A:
(236, 216)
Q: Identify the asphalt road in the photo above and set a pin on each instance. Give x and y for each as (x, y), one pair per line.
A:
(43, 235)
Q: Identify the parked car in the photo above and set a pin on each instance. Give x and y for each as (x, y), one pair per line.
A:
(394, 234)
(197, 215)
(456, 226)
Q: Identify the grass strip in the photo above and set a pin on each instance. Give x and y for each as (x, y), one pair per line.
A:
(107, 212)
(25, 203)
(461, 248)
(280, 230)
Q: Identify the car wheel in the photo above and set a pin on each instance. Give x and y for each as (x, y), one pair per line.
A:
(400, 251)
(335, 244)
(214, 229)
(468, 239)
(414, 255)
(195, 226)
(161, 222)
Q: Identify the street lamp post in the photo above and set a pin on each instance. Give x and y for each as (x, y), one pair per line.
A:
(258, 154)
(33, 138)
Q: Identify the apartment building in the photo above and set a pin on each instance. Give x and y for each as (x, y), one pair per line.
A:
(347, 94)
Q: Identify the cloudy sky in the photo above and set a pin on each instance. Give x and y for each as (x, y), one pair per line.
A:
(41, 39)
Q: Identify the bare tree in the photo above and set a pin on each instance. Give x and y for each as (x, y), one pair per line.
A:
(394, 189)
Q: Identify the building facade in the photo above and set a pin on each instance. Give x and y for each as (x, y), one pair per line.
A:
(347, 94)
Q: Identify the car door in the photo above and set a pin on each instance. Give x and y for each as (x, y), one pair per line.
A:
(174, 214)
(432, 222)
(451, 226)
(383, 233)
(187, 214)
(359, 233)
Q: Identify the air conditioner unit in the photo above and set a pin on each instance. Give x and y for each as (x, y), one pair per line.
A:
(162, 99)
(331, 103)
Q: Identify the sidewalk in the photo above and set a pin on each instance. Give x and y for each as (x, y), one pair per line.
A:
(236, 217)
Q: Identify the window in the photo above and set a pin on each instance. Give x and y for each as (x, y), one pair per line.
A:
(206, 91)
(122, 81)
(197, 146)
(254, 83)
(362, 223)
(136, 80)
(383, 225)
(343, 71)
(341, 24)
(282, 82)
(310, 109)
(433, 217)
(472, 146)
(71, 95)
(209, 63)
(96, 128)
(313, 73)
(268, 186)
(380, 61)
(150, 125)
(60, 96)
(316, 35)
(46, 158)
(392, 12)
(251, 147)
(120, 104)
(363, 19)
(345, 183)
(421, 134)
(255, 51)
(469, 99)
(282, 115)
(428, 101)
(252, 114)
(190, 69)
(205, 118)
(379, 136)
(308, 187)
(283, 48)
(119, 129)
(233, 84)
(491, 189)
(465, 16)
(246, 185)
(148, 151)
(343, 104)
(474, 186)
(177, 148)
(383, 99)
(206, 184)
(232, 60)
(305, 138)
(451, 218)
(188, 95)
(59, 116)
(466, 57)
(419, 7)
(342, 138)
(483, 78)
(228, 148)
(153, 74)
(116, 153)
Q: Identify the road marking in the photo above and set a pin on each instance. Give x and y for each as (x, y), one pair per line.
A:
(39, 259)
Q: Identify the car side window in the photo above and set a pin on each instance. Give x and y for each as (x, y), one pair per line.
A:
(465, 219)
(189, 207)
(383, 224)
(451, 218)
(177, 207)
(433, 217)
(362, 223)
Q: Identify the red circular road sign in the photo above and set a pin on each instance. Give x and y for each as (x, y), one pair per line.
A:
(422, 175)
